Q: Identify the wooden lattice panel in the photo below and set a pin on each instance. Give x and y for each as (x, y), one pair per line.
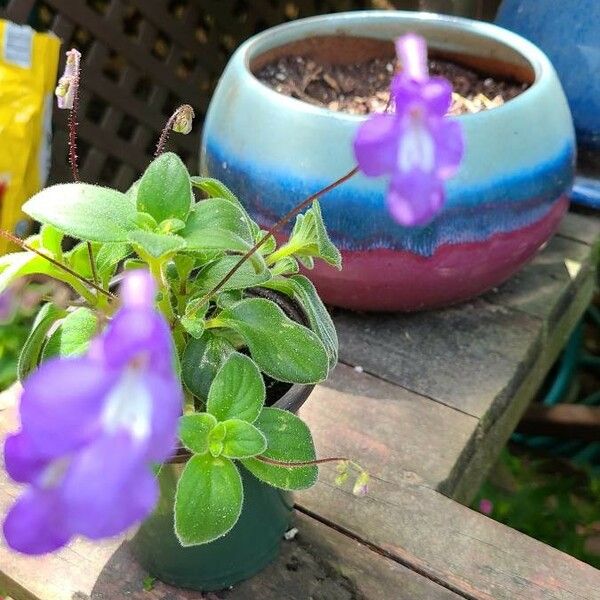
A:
(143, 58)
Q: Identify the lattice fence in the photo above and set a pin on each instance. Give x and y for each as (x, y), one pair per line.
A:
(143, 58)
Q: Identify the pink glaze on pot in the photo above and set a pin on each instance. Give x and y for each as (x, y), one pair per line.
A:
(383, 280)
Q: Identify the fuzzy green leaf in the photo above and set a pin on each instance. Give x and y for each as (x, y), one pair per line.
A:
(242, 439)
(208, 501)
(74, 334)
(32, 349)
(310, 239)
(194, 430)
(157, 245)
(213, 188)
(216, 214)
(51, 239)
(108, 258)
(193, 320)
(238, 390)
(19, 264)
(303, 291)
(288, 440)
(87, 212)
(165, 191)
(201, 360)
(243, 278)
(280, 347)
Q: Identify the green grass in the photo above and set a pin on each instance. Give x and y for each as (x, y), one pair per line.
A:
(547, 499)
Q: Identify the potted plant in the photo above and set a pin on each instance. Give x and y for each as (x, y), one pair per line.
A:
(173, 400)
(504, 203)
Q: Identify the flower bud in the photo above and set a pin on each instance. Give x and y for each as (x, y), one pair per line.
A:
(183, 119)
(361, 486)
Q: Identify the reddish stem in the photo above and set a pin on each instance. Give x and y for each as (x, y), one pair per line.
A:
(275, 228)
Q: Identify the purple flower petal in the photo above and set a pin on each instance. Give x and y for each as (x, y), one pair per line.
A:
(61, 404)
(450, 145)
(138, 334)
(375, 145)
(138, 289)
(34, 525)
(97, 485)
(414, 199)
(167, 403)
(412, 52)
(22, 461)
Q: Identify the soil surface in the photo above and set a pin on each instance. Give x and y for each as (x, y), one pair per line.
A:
(363, 88)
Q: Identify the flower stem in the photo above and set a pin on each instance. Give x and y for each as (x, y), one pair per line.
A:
(302, 463)
(73, 161)
(275, 228)
(19, 242)
(164, 135)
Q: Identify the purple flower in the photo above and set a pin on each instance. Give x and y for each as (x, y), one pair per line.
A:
(417, 145)
(486, 506)
(67, 85)
(91, 428)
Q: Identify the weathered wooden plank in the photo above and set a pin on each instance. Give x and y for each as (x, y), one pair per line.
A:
(403, 436)
(319, 563)
(583, 228)
(545, 287)
(473, 555)
(464, 356)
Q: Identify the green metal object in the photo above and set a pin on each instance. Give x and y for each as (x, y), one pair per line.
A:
(249, 547)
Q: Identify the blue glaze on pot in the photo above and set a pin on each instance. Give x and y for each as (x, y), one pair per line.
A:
(472, 213)
(569, 32)
(505, 201)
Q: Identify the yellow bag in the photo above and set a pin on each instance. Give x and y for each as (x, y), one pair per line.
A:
(28, 65)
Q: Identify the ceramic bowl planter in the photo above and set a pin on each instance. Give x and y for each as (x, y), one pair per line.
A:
(577, 63)
(505, 202)
(248, 548)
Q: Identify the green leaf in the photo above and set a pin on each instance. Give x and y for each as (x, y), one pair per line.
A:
(280, 347)
(201, 360)
(285, 266)
(243, 278)
(303, 291)
(310, 239)
(87, 212)
(216, 214)
(73, 336)
(19, 264)
(157, 245)
(79, 258)
(193, 320)
(320, 321)
(51, 239)
(171, 226)
(109, 256)
(165, 191)
(213, 188)
(32, 349)
(237, 391)
(194, 430)
(288, 440)
(208, 501)
(215, 439)
(242, 439)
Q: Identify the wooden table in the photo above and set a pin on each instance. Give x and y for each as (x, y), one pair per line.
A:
(425, 402)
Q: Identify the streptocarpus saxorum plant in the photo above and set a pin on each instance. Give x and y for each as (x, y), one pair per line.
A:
(194, 334)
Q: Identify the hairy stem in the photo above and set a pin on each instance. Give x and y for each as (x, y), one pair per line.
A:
(164, 135)
(303, 463)
(275, 228)
(19, 242)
